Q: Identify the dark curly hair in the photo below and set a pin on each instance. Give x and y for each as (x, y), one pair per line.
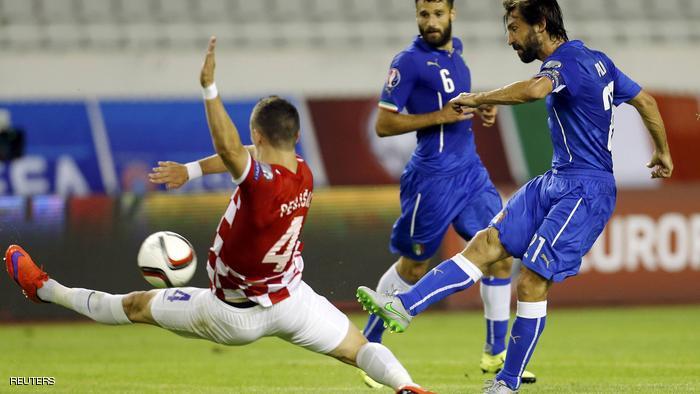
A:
(534, 11)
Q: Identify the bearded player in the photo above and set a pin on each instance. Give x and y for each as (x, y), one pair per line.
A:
(255, 263)
(552, 221)
(445, 181)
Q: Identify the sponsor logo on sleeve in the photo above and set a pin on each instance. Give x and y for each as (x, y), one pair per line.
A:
(256, 171)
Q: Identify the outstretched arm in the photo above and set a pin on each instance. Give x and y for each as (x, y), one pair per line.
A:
(224, 135)
(173, 174)
(661, 162)
(391, 123)
(515, 93)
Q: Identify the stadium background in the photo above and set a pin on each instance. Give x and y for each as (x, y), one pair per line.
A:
(104, 88)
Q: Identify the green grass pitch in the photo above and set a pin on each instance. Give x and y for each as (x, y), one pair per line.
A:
(625, 350)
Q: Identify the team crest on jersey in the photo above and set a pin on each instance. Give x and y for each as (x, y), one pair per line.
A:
(552, 64)
(393, 79)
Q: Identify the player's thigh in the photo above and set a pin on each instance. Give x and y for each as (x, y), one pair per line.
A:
(522, 215)
(428, 206)
(311, 321)
(194, 312)
(178, 309)
(482, 205)
(566, 234)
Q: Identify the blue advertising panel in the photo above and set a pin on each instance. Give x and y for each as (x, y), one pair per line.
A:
(109, 146)
(59, 153)
(141, 133)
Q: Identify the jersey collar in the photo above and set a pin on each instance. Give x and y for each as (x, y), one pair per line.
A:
(572, 43)
(420, 43)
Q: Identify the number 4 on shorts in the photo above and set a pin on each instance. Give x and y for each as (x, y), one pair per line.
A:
(179, 295)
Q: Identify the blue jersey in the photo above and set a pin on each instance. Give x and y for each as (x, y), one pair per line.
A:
(423, 79)
(586, 88)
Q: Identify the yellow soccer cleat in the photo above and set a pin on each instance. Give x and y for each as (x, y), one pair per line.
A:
(494, 363)
(371, 383)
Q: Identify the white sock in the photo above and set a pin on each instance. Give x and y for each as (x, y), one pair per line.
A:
(532, 310)
(496, 301)
(391, 282)
(101, 307)
(382, 366)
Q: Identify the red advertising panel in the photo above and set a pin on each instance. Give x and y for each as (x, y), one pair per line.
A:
(648, 254)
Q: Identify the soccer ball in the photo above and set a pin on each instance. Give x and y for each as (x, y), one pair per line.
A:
(167, 259)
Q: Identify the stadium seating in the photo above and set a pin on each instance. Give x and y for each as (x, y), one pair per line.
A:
(38, 25)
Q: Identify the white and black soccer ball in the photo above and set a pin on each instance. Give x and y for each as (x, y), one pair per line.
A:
(167, 259)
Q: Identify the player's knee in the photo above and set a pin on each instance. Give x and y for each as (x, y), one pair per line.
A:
(532, 287)
(493, 240)
(134, 305)
(502, 268)
(350, 346)
(485, 248)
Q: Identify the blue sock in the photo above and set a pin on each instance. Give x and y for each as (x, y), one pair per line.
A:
(496, 331)
(495, 292)
(527, 328)
(449, 277)
(374, 329)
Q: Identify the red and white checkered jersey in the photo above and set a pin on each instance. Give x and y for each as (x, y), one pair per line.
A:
(257, 251)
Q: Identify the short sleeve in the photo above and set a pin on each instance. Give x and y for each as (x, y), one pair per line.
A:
(256, 175)
(246, 172)
(399, 83)
(563, 73)
(625, 88)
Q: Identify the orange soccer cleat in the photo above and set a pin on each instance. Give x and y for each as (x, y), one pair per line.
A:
(22, 270)
(413, 390)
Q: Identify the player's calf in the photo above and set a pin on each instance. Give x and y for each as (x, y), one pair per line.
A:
(531, 286)
(373, 358)
(37, 286)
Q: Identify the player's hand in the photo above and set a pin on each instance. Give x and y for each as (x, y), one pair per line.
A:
(453, 114)
(661, 165)
(206, 77)
(465, 100)
(173, 175)
(488, 114)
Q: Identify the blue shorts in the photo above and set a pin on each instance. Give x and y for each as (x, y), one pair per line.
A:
(429, 203)
(552, 221)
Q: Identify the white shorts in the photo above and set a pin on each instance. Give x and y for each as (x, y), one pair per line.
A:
(305, 318)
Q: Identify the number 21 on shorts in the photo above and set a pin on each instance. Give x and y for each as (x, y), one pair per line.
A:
(535, 238)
